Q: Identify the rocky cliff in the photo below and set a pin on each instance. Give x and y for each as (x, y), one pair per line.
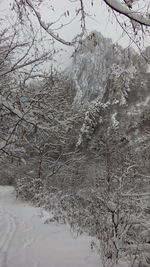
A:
(105, 71)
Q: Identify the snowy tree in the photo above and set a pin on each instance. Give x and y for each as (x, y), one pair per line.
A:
(92, 163)
(30, 115)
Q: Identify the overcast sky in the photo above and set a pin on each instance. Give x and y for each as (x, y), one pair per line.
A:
(100, 20)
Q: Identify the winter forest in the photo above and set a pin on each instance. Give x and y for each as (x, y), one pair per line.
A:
(76, 142)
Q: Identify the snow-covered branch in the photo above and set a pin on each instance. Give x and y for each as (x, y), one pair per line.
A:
(140, 17)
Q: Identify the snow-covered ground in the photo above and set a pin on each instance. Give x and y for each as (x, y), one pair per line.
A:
(26, 241)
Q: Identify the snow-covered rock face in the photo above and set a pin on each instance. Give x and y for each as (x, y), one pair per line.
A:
(112, 85)
(103, 70)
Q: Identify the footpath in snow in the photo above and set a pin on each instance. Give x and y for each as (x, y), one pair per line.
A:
(25, 241)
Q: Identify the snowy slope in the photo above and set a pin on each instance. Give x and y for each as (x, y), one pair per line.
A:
(25, 240)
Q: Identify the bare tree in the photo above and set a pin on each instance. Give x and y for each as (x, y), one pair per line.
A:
(25, 59)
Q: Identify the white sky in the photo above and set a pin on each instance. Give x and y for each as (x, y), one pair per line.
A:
(101, 20)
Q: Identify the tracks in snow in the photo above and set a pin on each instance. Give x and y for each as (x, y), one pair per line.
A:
(7, 235)
(26, 241)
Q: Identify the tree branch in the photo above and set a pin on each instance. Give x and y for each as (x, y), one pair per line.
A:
(46, 27)
(133, 15)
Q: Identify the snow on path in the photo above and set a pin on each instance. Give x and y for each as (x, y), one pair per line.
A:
(25, 241)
